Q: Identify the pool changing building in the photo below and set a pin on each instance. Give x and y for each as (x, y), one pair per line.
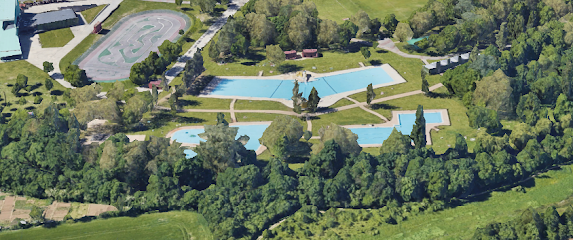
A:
(9, 17)
(443, 65)
(53, 20)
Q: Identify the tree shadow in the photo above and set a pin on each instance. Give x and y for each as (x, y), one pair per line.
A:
(13, 109)
(160, 119)
(35, 86)
(9, 85)
(375, 62)
(37, 94)
(354, 47)
(287, 67)
(7, 115)
(104, 32)
(249, 63)
(185, 9)
(438, 95)
(30, 108)
(184, 102)
(377, 106)
(381, 51)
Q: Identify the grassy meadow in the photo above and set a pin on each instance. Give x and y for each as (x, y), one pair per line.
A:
(56, 38)
(338, 10)
(90, 14)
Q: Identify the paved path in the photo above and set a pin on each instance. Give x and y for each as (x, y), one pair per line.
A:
(232, 109)
(387, 44)
(368, 110)
(7, 208)
(37, 54)
(179, 66)
(308, 124)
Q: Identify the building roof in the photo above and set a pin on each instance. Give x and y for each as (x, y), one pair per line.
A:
(10, 42)
(8, 10)
(430, 66)
(290, 52)
(444, 62)
(465, 56)
(54, 16)
(309, 50)
(455, 59)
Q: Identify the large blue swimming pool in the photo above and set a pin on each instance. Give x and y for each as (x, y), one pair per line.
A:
(370, 135)
(325, 86)
(377, 135)
(192, 136)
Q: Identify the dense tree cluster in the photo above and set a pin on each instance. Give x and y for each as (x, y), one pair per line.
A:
(155, 65)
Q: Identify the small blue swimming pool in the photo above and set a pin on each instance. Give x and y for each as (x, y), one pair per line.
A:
(192, 136)
(325, 86)
(377, 135)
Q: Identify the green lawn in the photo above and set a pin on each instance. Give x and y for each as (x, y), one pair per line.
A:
(260, 105)
(192, 102)
(56, 38)
(168, 225)
(255, 117)
(339, 9)
(341, 102)
(36, 77)
(345, 117)
(161, 122)
(91, 13)
(446, 135)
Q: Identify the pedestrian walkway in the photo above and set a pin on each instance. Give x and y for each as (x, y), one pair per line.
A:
(368, 110)
(389, 45)
(232, 109)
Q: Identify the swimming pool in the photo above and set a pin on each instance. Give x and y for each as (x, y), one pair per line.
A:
(377, 135)
(282, 89)
(192, 136)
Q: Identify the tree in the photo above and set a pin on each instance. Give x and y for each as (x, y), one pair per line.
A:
(346, 139)
(362, 20)
(48, 67)
(48, 84)
(390, 22)
(483, 117)
(136, 106)
(370, 95)
(474, 53)
(325, 163)
(21, 83)
(76, 76)
(220, 150)
(193, 69)
(170, 50)
(178, 2)
(22, 101)
(485, 64)
(421, 22)
(296, 98)
(307, 135)
(37, 214)
(403, 32)
(347, 31)
(313, 100)
(261, 30)
(38, 99)
(221, 119)
(529, 108)
(300, 30)
(425, 84)
(206, 6)
(328, 33)
(501, 36)
(495, 92)
(365, 52)
(460, 80)
(418, 134)
(117, 92)
(396, 143)
(181, 31)
(154, 94)
(289, 131)
(275, 54)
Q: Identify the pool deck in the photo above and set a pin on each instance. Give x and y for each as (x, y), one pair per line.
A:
(324, 102)
(259, 150)
(396, 121)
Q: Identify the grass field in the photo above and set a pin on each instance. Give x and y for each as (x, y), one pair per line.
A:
(345, 117)
(339, 9)
(260, 105)
(456, 111)
(161, 122)
(36, 77)
(255, 117)
(168, 225)
(90, 14)
(192, 102)
(56, 38)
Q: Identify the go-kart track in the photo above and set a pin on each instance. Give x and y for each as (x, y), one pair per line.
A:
(130, 42)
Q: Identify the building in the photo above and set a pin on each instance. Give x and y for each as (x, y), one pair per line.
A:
(155, 83)
(53, 20)
(443, 65)
(290, 54)
(310, 53)
(9, 17)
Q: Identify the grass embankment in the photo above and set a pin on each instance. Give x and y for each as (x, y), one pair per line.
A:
(168, 225)
(341, 9)
(90, 14)
(192, 102)
(346, 117)
(56, 38)
(260, 105)
(36, 77)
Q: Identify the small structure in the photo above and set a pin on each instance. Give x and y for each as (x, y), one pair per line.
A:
(156, 84)
(290, 54)
(54, 20)
(9, 29)
(443, 65)
(310, 53)
(97, 28)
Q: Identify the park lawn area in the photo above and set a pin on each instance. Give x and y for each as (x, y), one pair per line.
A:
(374, 151)
(341, 9)
(260, 105)
(260, 117)
(353, 116)
(341, 103)
(36, 77)
(107, 86)
(167, 225)
(56, 38)
(548, 189)
(161, 122)
(447, 134)
(78, 210)
(90, 14)
(193, 102)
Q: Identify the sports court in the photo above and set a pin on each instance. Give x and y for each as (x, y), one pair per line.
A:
(130, 42)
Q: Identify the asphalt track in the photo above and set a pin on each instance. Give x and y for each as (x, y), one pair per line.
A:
(131, 43)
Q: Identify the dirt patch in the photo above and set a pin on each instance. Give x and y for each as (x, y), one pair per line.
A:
(7, 209)
(97, 209)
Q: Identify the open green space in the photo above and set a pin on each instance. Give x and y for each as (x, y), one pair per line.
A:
(168, 225)
(260, 105)
(255, 117)
(56, 38)
(341, 9)
(90, 14)
(193, 102)
(447, 134)
(161, 122)
(36, 77)
(346, 117)
(341, 103)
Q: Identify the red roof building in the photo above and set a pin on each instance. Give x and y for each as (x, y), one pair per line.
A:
(310, 53)
(156, 83)
(290, 54)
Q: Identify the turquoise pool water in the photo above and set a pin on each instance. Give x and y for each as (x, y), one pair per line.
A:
(325, 86)
(192, 136)
(414, 40)
(377, 135)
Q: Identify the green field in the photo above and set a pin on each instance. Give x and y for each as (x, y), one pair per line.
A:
(169, 225)
(340, 9)
(36, 77)
(161, 122)
(56, 38)
(260, 105)
(90, 14)
(192, 102)
(345, 117)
